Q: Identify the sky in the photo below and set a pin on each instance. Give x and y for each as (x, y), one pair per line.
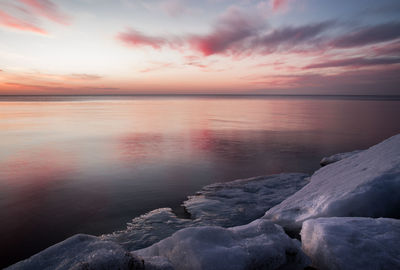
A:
(85, 47)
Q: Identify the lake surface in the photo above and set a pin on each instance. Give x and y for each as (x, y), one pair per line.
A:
(90, 164)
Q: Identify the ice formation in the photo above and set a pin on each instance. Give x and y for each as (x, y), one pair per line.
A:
(258, 245)
(148, 229)
(81, 252)
(365, 184)
(352, 243)
(334, 158)
(241, 201)
(224, 204)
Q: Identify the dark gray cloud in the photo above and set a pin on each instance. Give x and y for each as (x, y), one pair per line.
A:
(368, 35)
(355, 62)
(293, 36)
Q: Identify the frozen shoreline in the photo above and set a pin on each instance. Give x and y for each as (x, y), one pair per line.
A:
(350, 185)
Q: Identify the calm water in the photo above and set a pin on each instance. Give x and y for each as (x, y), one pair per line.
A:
(87, 164)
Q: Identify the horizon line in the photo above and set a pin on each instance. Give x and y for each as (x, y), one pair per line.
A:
(194, 94)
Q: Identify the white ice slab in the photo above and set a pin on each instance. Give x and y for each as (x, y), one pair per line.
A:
(242, 201)
(258, 245)
(366, 184)
(352, 243)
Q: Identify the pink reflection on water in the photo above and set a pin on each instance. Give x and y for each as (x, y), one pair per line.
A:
(37, 167)
(64, 163)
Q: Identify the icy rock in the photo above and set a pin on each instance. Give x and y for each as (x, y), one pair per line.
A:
(258, 245)
(239, 202)
(334, 158)
(366, 184)
(352, 243)
(82, 252)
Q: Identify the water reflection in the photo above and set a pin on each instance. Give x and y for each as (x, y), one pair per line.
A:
(90, 165)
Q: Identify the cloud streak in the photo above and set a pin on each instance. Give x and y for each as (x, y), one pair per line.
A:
(369, 35)
(290, 37)
(47, 9)
(355, 62)
(237, 32)
(10, 21)
(134, 38)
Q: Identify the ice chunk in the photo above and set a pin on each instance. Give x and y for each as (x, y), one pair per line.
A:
(366, 184)
(334, 158)
(241, 201)
(258, 245)
(81, 252)
(148, 229)
(352, 243)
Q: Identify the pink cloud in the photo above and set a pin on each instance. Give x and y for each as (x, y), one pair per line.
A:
(235, 33)
(279, 5)
(16, 23)
(135, 38)
(232, 27)
(47, 9)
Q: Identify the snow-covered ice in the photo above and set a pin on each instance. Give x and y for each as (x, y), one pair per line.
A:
(224, 204)
(241, 201)
(352, 243)
(81, 252)
(336, 157)
(366, 184)
(258, 245)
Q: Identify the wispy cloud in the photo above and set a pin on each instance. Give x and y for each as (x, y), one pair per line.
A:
(289, 37)
(233, 27)
(236, 32)
(25, 15)
(369, 35)
(47, 9)
(230, 30)
(369, 81)
(355, 62)
(10, 21)
(135, 38)
(82, 76)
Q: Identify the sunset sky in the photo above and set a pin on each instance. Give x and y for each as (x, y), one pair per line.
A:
(190, 47)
